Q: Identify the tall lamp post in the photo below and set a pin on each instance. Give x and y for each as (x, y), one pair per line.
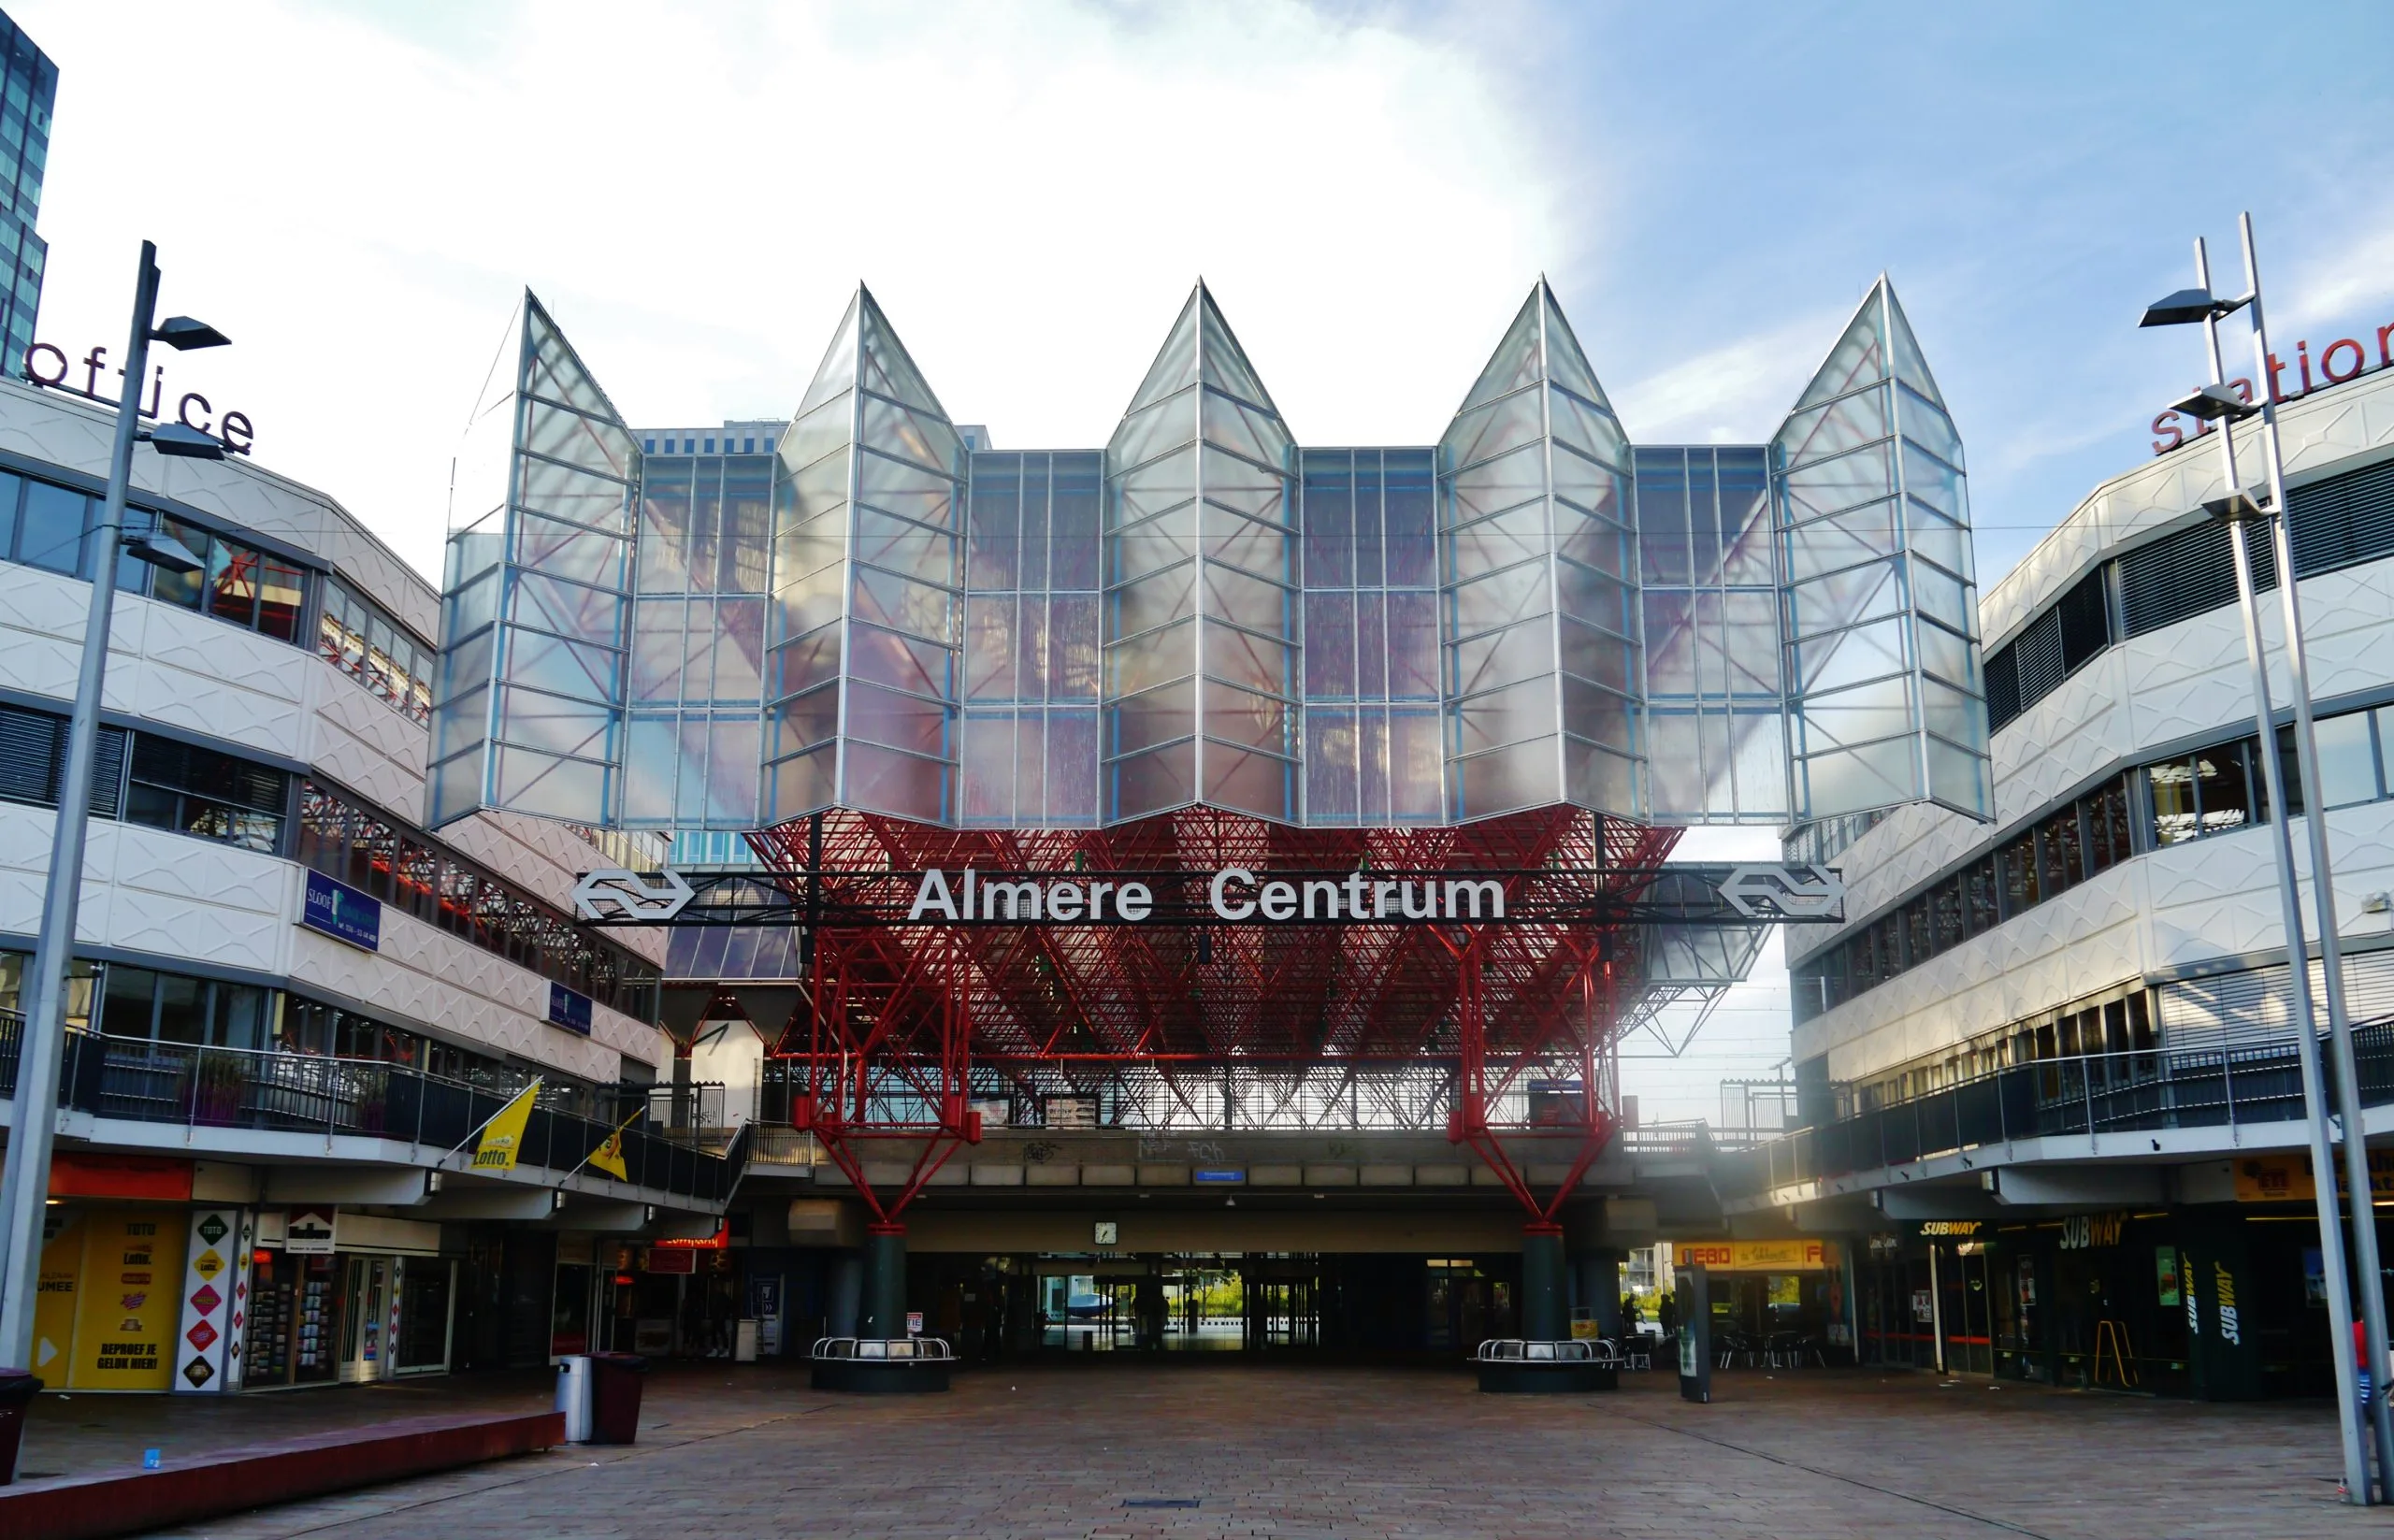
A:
(42, 1041)
(2238, 507)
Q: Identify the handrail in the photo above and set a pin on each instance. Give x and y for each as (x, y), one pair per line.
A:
(883, 1350)
(1526, 1350)
(2087, 1094)
(271, 1091)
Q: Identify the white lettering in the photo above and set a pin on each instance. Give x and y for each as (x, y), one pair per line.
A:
(1021, 900)
(932, 893)
(1218, 893)
(1278, 900)
(1134, 902)
(1328, 892)
(1064, 901)
(1429, 910)
(1381, 894)
(1097, 892)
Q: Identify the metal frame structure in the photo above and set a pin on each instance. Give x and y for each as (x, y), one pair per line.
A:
(1499, 1029)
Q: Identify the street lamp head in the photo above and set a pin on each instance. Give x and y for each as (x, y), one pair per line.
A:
(2189, 306)
(186, 443)
(161, 550)
(2210, 403)
(2236, 508)
(182, 334)
(2182, 309)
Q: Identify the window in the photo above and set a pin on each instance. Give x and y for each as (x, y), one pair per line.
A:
(2347, 759)
(238, 584)
(160, 1007)
(33, 761)
(209, 794)
(356, 635)
(50, 524)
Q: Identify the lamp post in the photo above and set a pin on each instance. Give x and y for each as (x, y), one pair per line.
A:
(42, 1041)
(2238, 507)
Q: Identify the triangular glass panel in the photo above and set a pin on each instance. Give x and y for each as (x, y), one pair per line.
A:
(554, 364)
(1565, 364)
(1858, 359)
(1911, 368)
(838, 370)
(1175, 365)
(888, 368)
(1514, 363)
(1222, 363)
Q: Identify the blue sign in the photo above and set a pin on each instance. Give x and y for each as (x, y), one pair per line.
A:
(568, 1010)
(342, 913)
(1219, 1175)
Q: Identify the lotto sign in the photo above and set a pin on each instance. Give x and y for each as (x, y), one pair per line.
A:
(217, 1255)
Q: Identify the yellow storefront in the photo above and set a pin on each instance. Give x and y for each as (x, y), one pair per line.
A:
(109, 1299)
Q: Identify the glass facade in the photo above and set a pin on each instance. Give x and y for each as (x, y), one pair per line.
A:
(27, 93)
(529, 711)
(1885, 703)
(713, 631)
(862, 627)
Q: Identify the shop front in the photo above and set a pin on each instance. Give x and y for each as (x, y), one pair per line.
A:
(338, 1298)
(1779, 1303)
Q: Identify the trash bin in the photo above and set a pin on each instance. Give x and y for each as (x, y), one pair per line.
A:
(18, 1387)
(574, 1396)
(614, 1397)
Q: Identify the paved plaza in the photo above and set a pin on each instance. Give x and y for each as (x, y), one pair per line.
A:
(1198, 1450)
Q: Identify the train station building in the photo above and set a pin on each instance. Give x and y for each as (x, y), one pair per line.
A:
(1182, 894)
(1299, 815)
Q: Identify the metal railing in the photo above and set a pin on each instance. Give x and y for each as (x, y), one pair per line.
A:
(2145, 1091)
(1575, 1350)
(883, 1350)
(138, 1081)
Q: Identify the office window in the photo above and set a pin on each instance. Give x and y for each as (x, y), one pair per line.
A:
(161, 1007)
(206, 794)
(356, 635)
(239, 585)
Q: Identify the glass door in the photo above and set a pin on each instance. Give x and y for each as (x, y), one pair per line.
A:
(366, 1301)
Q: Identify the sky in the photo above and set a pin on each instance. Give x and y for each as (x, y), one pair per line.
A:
(357, 193)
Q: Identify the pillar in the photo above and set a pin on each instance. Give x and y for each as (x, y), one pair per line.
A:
(2222, 1341)
(883, 1286)
(843, 1294)
(1595, 1278)
(1544, 1316)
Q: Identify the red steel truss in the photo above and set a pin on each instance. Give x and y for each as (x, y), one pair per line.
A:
(1519, 1015)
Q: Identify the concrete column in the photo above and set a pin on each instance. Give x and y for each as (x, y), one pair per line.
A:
(1544, 1316)
(883, 1291)
(843, 1291)
(1598, 1274)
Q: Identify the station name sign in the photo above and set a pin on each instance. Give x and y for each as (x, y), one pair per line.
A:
(1232, 893)
(1672, 893)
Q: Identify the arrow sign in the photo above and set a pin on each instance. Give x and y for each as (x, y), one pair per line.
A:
(1791, 892)
(633, 895)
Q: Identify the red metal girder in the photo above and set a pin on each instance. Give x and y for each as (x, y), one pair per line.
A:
(917, 1007)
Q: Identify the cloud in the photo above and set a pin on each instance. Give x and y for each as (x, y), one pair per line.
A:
(1733, 393)
(1030, 190)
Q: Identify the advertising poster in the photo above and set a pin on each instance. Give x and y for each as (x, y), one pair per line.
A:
(210, 1285)
(129, 1302)
(62, 1273)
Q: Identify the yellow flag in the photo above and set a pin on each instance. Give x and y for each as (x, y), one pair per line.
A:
(609, 1157)
(503, 1135)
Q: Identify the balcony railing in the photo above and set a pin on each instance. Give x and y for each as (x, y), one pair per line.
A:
(178, 1083)
(2090, 1094)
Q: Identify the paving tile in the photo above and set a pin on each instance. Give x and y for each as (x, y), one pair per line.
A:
(1311, 1453)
